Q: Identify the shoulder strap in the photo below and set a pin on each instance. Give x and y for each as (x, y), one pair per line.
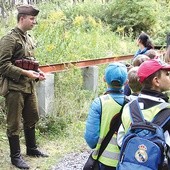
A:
(135, 112)
(115, 123)
(162, 117)
(137, 118)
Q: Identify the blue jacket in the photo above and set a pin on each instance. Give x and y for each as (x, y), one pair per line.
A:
(141, 52)
(94, 115)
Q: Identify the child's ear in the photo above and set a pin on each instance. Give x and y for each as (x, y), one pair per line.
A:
(156, 81)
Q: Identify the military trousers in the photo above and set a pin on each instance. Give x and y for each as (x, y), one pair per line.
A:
(22, 111)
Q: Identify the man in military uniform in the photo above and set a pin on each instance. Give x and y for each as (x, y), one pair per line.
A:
(19, 67)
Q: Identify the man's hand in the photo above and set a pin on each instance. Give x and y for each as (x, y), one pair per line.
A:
(41, 75)
(33, 74)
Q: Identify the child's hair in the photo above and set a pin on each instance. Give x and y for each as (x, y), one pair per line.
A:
(139, 59)
(115, 84)
(133, 78)
(151, 53)
(145, 40)
(147, 83)
(167, 55)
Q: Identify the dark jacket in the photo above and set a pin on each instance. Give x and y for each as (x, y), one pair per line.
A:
(16, 45)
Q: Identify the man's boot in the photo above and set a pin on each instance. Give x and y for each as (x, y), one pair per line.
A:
(15, 154)
(32, 149)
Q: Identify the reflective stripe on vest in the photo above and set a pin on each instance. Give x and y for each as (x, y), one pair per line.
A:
(148, 114)
(110, 155)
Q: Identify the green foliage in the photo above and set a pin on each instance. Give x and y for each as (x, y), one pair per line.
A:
(6, 24)
(161, 29)
(53, 125)
(131, 15)
(89, 7)
(60, 39)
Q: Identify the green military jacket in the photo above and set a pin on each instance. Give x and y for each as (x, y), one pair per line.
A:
(16, 45)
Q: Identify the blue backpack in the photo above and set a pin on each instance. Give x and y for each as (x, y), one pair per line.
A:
(144, 144)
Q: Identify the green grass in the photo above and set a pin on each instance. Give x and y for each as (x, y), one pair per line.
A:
(55, 146)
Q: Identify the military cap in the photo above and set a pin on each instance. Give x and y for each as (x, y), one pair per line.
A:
(27, 10)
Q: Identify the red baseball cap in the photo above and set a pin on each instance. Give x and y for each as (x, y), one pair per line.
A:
(151, 66)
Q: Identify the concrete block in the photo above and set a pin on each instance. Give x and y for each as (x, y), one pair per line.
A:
(90, 77)
(45, 93)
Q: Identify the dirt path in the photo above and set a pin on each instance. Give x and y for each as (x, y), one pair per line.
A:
(73, 161)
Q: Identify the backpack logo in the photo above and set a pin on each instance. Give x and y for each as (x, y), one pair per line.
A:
(141, 154)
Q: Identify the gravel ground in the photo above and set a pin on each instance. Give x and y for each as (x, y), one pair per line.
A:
(73, 161)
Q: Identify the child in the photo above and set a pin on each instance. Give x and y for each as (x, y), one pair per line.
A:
(136, 62)
(155, 78)
(133, 83)
(151, 53)
(101, 112)
(139, 59)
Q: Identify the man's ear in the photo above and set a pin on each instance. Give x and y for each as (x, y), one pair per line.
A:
(22, 18)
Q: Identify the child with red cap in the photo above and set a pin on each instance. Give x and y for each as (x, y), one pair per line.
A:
(154, 77)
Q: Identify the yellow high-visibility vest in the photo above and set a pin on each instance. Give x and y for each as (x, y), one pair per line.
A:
(110, 155)
(148, 114)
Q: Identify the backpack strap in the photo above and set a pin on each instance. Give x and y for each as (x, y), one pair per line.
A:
(138, 121)
(135, 112)
(162, 117)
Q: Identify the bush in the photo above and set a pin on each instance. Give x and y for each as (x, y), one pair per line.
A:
(131, 15)
(161, 30)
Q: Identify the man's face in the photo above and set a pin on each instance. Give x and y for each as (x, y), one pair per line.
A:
(28, 22)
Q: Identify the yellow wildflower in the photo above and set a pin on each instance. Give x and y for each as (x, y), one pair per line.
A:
(50, 47)
(78, 21)
(92, 21)
(57, 16)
